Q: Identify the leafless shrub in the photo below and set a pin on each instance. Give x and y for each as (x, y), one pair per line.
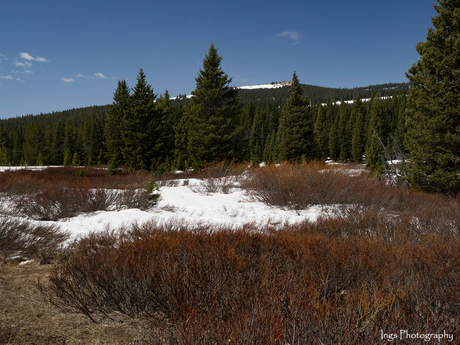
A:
(290, 286)
(29, 239)
(220, 177)
(57, 193)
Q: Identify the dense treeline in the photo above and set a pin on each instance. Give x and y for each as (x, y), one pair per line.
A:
(143, 131)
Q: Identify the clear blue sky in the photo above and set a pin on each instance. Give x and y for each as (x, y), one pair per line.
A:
(60, 54)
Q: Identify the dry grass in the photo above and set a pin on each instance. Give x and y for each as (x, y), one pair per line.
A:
(26, 318)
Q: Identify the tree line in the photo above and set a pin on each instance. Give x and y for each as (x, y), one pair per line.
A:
(142, 131)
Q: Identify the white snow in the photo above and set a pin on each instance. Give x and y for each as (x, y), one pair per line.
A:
(188, 205)
(262, 86)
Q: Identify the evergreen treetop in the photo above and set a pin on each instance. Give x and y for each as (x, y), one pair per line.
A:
(433, 113)
(211, 124)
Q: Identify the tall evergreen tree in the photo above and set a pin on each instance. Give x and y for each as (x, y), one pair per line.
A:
(258, 136)
(56, 155)
(212, 127)
(33, 140)
(139, 127)
(113, 125)
(321, 133)
(295, 132)
(168, 118)
(334, 143)
(344, 133)
(433, 113)
(374, 134)
(70, 137)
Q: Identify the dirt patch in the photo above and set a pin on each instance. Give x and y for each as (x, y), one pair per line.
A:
(26, 318)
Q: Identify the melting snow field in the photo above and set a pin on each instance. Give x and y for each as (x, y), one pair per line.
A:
(190, 204)
(182, 204)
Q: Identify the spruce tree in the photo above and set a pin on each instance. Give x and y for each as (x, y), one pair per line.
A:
(56, 150)
(295, 132)
(168, 118)
(139, 127)
(258, 136)
(113, 125)
(344, 133)
(334, 144)
(212, 127)
(321, 133)
(357, 143)
(39, 159)
(374, 134)
(33, 140)
(433, 113)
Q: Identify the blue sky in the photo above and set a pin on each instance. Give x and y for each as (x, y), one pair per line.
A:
(57, 55)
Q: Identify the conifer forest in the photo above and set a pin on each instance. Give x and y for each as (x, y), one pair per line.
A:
(142, 130)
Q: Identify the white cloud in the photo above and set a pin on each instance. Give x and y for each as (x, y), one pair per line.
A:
(28, 71)
(28, 57)
(23, 64)
(67, 80)
(293, 35)
(100, 75)
(9, 77)
(80, 76)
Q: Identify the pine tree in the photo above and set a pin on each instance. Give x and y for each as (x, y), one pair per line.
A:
(33, 140)
(321, 134)
(67, 157)
(70, 137)
(113, 125)
(358, 141)
(334, 144)
(433, 113)
(4, 158)
(344, 133)
(39, 159)
(76, 159)
(211, 123)
(295, 132)
(257, 137)
(56, 156)
(139, 125)
(168, 118)
(374, 133)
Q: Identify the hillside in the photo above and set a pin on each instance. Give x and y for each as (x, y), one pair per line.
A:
(277, 93)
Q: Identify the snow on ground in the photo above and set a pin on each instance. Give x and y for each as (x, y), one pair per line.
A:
(263, 86)
(13, 168)
(182, 204)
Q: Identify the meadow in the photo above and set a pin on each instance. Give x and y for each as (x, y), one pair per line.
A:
(375, 259)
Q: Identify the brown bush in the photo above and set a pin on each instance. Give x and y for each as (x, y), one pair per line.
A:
(262, 287)
(24, 238)
(56, 193)
(220, 177)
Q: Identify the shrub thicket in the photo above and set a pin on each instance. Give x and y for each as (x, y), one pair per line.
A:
(265, 287)
(57, 193)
